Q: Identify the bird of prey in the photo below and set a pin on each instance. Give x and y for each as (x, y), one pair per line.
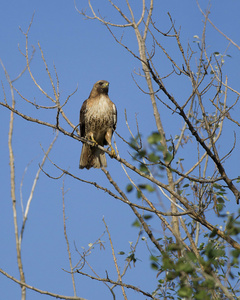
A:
(98, 120)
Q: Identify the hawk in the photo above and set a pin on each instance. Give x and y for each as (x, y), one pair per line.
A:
(98, 120)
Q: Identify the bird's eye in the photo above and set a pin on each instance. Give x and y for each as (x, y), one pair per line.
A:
(101, 83)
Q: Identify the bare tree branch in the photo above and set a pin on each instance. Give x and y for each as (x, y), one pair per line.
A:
(128, 286)
(38, 290)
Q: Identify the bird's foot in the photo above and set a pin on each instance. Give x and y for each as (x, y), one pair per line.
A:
(113, 153)
(91, 139)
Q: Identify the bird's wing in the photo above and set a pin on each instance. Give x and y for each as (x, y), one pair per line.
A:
(82, 118)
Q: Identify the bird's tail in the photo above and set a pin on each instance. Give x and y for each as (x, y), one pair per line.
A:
(92, 157)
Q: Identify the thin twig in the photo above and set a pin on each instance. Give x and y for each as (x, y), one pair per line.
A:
(33, 188)
(67, 242)
(115, 260)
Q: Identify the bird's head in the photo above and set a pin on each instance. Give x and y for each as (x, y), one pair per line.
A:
(100, 87)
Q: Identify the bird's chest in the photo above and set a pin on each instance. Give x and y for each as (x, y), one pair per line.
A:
(100, 114)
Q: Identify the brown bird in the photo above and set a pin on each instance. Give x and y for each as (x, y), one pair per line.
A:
(98, 120)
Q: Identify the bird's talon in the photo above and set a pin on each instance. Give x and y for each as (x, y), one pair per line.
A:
(113, 153)
(91, 139)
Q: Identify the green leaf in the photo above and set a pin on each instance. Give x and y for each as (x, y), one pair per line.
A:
(220, 207)
(147, 217)
(139, 194)
(160, 148)
(201, 246)
(168, 157)
(154, 138)
(121, 252)
(191, 256)
(232, 226)
(161, 281)
(136, 223)
(213, 233)
(185, 291)
(171, 275)
(218, 186)
(143, 168)
(154, 266)
(220, 200)
(129, 188)
(150, 188)
(141, 153)
(153, 157)
(201, 295)
(173, 247)
(184, 267)
(235, 253)
(153, 258)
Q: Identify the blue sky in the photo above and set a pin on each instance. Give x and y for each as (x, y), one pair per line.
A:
(83, 52)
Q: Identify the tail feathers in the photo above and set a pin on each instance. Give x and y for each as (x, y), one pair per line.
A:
(92, 157)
